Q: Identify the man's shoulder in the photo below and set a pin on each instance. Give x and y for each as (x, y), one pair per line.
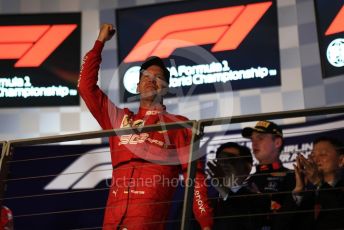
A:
(126, 110)
(340, 183)
(175, 117)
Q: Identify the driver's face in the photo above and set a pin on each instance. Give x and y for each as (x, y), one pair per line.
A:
(152, 82)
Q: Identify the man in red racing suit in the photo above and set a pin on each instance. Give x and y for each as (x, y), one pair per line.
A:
(142, 189)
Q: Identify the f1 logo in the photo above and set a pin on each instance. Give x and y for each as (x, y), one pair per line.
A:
(337, 24)
(225, 27)
(32, 44)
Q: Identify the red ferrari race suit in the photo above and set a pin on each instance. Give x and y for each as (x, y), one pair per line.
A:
(141, 191)
(6, 220)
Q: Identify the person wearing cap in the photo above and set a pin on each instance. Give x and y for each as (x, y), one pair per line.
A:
(143, 157)
(239, 204)
(270, 176)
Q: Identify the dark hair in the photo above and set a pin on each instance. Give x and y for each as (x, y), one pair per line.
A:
(244, 152)
(338, 144)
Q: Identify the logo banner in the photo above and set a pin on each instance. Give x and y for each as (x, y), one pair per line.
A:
(39, 59)
(330, 22)
(208, 46)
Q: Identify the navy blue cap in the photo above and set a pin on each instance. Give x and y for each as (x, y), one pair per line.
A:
(154, 60)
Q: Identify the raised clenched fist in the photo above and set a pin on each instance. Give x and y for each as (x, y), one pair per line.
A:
(106, 32)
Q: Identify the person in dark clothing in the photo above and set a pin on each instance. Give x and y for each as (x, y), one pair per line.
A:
(270, 177)
(239, 202)
(319, 190)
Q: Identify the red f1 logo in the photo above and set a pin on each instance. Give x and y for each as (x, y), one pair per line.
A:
(32, 44)
(225, 27)
(337, 24)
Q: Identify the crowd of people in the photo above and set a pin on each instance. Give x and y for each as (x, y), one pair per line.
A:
(309, 197)
(273, 197)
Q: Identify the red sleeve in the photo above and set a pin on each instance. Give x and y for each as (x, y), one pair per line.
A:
(201, 205)
(97, 102)
(6, 217)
